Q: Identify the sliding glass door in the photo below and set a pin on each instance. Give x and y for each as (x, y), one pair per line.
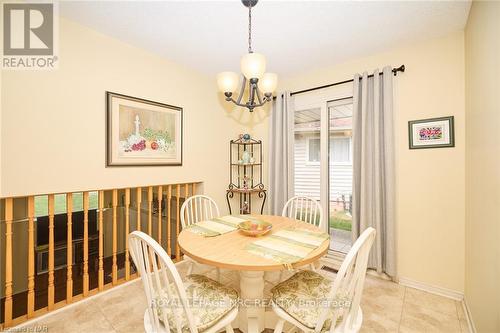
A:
(323, 161)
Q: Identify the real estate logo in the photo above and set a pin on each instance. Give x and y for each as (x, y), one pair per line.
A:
(30, 36)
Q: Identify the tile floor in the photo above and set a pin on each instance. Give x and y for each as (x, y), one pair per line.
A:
(387, 307)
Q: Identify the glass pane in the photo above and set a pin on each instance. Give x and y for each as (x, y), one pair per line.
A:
(307, 152)
(340, 161)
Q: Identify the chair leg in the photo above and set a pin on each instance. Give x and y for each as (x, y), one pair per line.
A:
(229, 329)
(279, 326)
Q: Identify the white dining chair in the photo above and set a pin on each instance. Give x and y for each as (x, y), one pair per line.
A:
(305, 209)
(198, 304)
(195, 209)
(300, 300)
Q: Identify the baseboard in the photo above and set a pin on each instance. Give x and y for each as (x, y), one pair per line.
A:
(453, 294)
(468, 316)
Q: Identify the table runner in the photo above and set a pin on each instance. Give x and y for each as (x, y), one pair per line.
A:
(288, 246)
(216, 226)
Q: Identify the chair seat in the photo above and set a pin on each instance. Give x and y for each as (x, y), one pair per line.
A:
(299, 295)
(209, 302)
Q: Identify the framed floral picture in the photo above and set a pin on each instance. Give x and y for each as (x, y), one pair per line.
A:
(141, 132)
(431, 133)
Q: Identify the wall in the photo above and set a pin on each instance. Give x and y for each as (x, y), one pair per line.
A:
(482, 249)
(430, 182)
(53, 124)
(53, 128)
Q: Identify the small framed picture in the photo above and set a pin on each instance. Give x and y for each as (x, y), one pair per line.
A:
(142, 132)
(431, 133)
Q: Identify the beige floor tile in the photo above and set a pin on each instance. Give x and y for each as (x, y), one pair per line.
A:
(382, 305)
(430, 303)
(84, 317)
(124, 307)
(420, 318)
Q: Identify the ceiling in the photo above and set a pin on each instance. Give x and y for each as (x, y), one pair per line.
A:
(295, 36)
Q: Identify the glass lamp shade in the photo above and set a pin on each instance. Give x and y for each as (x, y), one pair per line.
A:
(268, 83)
(227, 81)
(253, 65)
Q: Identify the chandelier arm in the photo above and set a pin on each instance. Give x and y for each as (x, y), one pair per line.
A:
(259, 98)
(259, 105)
(242, 90)
(230, 99)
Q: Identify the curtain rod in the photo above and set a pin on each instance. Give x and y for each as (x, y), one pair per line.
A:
(395, 71)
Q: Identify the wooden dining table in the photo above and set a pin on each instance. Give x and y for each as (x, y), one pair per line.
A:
(227, 251)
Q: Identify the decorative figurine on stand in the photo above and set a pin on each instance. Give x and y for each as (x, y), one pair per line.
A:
(246, 157)
(244, 208)
(246, 181)
(246, 137)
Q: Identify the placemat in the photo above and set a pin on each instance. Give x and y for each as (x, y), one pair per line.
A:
(216, 226)
(288, 246)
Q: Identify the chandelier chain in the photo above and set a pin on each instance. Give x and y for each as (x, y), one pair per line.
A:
(250, 29)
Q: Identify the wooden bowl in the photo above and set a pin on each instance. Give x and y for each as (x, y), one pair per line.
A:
(255, 228)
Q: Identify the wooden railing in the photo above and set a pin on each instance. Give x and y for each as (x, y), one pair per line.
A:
(83, 253)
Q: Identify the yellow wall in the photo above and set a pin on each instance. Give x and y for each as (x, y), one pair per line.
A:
(482, 249)
(430, 182)
(53, 128)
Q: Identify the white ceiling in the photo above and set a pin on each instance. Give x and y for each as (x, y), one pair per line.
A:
(295, 36)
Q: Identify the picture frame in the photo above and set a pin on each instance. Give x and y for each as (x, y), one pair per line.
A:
(141, 132)
(431, 133)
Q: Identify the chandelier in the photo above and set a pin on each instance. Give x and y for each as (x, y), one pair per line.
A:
(253, 67)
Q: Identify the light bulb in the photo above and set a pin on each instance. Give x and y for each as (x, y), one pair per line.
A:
(227, 81)
(253, 65)
(268, 83)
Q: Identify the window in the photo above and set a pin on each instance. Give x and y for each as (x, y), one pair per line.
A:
(313, 148)
(340, 150)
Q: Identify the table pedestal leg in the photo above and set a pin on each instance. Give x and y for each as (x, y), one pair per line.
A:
(252, 315)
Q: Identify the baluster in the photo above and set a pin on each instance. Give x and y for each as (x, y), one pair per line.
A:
(127, 221)
(114, 268)
(101, 248)
(51, 291)
(160, 197)
(8, 262)
(177, 249)
(138, 201)
(69, 251)
(169, 205)
(85, 244)
(31, 257)
(150, 213)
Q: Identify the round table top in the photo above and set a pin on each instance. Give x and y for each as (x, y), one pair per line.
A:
(228, 250)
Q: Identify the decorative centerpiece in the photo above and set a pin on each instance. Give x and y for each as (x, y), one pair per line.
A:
(255, 228)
